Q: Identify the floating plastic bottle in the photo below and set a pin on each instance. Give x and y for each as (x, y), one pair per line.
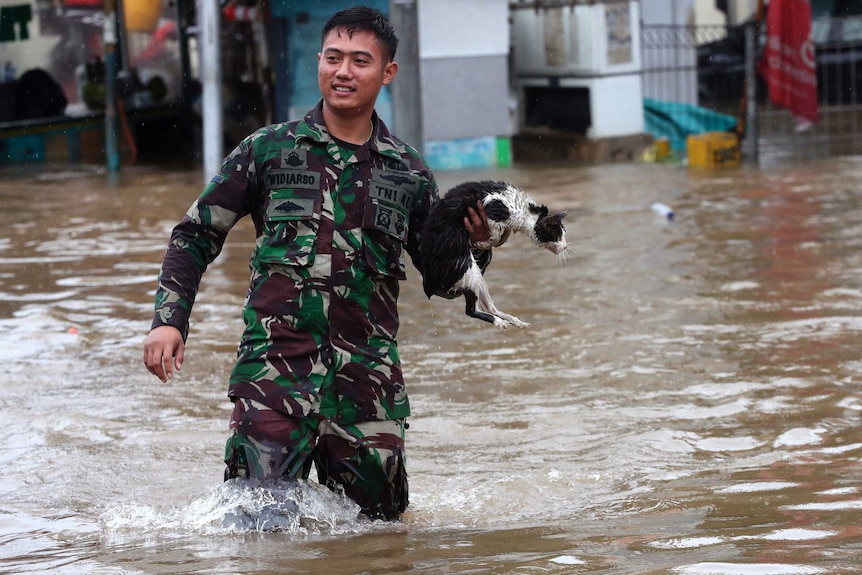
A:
(663, 210)
(9, 72)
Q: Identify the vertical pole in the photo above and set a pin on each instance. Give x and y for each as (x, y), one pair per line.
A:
(112, 137)
(182, 15)
(122, 37)
(407, 86)
(751, 119)
(209, 15)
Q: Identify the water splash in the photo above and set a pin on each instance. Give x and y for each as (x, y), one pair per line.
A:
(239, 506)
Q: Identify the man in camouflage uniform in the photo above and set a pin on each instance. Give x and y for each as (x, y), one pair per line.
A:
(336, 201)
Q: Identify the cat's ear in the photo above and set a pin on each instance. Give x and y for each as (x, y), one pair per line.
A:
(540, 211)
(554, 218)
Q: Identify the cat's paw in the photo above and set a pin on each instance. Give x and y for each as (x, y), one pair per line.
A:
(505, 324)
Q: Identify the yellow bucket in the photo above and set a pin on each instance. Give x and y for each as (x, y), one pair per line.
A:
(141, 15)
(713, 149)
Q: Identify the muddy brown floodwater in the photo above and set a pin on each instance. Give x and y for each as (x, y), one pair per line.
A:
(686, 401)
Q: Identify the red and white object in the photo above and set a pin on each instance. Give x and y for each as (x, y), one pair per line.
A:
(236, 13)
(788, 63)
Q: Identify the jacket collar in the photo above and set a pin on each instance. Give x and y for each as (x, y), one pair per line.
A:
(382, 141)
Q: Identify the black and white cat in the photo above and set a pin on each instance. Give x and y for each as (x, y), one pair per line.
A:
(448, 262)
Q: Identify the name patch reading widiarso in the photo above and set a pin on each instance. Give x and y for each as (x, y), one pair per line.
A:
(297, 179)
(394, 188)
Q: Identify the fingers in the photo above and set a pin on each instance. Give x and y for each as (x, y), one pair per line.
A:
(178, 357)
(154, 363)
(476, 223)
(163, 352)
(166, 364)
(155, 360)
(480, 210)
(467, 223)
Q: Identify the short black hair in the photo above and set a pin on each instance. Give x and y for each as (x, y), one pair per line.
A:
(364, 19)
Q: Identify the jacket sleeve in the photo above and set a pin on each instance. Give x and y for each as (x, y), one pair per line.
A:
(430, 196)
(198, 239)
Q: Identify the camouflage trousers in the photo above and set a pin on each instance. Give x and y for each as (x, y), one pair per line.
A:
(366, 460)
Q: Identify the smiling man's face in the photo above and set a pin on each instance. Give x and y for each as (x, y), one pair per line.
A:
(351, 70)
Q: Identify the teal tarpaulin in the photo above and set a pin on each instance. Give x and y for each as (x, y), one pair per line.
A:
(676, 121)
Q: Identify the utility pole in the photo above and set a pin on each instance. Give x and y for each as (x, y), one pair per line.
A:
(407, 86)
(109, 37)
(751, 120)
(209, 14)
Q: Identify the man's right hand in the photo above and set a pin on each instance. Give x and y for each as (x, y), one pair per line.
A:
(163, 351)
(477, 226)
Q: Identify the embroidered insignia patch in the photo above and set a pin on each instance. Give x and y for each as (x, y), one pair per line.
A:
(290, 208)
(390, 221)
(294, 158)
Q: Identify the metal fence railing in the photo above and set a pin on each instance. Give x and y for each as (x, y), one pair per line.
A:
(705, 66)
(669, 56)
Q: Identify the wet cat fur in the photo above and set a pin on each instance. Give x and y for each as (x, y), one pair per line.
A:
(449, 265)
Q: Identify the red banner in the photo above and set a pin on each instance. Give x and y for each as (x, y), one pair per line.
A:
(789, 63)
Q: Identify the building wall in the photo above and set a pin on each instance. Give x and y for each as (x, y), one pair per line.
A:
(465, 97)
(464, 51)
(578, 67)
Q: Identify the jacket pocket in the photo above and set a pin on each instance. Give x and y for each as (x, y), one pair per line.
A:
(290, 226)
(384, 232)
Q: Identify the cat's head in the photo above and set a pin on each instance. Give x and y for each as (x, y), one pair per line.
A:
(548, 232)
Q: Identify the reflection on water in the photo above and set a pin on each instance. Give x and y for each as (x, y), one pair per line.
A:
(685, 401)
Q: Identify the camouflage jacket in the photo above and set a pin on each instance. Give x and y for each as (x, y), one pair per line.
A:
(332, 227)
